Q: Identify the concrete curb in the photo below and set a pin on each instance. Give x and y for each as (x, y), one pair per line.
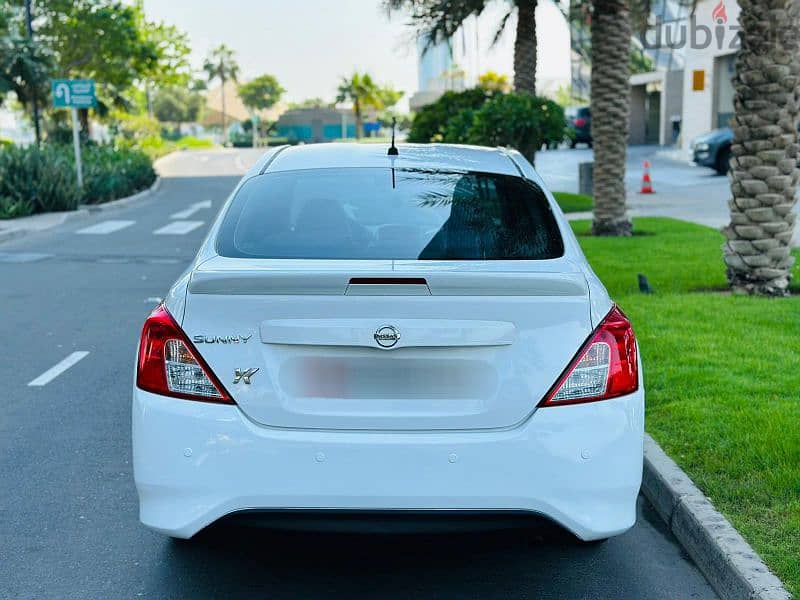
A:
(732, 567)
(121, 202)
(49, 220)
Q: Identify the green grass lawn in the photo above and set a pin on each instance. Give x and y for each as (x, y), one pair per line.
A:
(570, 203)
(722, 377)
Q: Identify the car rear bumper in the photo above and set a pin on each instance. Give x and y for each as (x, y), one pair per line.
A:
(583, 136)
(580, 466)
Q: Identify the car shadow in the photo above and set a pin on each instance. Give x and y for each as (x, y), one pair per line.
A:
(246, 561)
(539, 562)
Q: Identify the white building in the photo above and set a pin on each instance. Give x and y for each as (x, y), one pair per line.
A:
(690, 91)
(708, 71)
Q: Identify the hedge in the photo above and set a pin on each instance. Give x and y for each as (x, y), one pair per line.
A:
(35, 180)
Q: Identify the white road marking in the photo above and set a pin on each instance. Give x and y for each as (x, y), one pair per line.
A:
(153, 300)
(58, 369)
(179, 228)
(105, 227)
(185, 214)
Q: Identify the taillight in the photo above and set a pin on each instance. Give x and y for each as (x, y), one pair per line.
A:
(169, 364)
(579, 122)
(605, 367)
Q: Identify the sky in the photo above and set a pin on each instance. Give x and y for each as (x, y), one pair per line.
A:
(309, 45)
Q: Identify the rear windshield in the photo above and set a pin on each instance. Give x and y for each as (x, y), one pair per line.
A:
(384, 213)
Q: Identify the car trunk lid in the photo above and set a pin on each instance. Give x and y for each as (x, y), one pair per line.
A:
(388, 345)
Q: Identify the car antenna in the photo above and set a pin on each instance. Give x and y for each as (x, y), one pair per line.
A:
(393, 149)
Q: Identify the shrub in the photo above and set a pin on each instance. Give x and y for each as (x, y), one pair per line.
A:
(36, 180)
(490, 118)
(110, 173)
(430, 123)
(522, 121)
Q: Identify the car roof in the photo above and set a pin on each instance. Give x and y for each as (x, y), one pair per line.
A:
(428, 156)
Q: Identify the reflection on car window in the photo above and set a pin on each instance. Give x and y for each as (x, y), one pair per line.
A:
(411, 214)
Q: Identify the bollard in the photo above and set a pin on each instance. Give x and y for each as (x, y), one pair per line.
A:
(586, 178)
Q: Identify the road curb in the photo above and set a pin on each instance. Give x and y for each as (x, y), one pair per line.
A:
(733, 568)
(121, 202)
(82, 210)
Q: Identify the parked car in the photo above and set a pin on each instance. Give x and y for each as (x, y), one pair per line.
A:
(389, 336)
(713, 150)
(580, 126)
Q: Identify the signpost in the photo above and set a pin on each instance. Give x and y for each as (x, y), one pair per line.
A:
(74, 94)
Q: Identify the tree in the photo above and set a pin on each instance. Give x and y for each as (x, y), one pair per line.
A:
(177, 105)
(111, 42)
(261, 93)
(24, 69)
(221, 64)
(431, 122)
(438, 20)
(610, 53)
(613, 57)
(96, 39)
(388, 96)
(172, 49)
(519, 120)
(764, 172)
(364, 93)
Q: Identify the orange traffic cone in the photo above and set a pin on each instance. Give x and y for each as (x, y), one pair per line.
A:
(647, 184)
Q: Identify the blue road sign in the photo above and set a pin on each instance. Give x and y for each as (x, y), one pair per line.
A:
(73, 93)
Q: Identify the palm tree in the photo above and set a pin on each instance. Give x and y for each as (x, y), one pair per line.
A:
(610, 102)
(764, 171)
(438, 20)
(221, 64)
(363, 92)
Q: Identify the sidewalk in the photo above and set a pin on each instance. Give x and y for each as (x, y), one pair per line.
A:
(682, 190)
(12, 228)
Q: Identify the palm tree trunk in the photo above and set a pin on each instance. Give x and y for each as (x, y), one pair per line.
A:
(224, 129)
(764, 172)
(525, 47)
(359, 121)
(611, 40)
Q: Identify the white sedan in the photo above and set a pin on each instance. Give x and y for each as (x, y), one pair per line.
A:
(368, 334)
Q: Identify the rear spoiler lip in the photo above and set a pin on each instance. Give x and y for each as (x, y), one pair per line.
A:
(440, 283)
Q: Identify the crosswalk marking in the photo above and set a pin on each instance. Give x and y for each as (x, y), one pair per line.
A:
(58, 369)
(105, 227)
(178, 228)
(185, 214)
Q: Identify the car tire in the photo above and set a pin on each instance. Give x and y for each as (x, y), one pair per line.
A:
(723, 162)
(572, 144)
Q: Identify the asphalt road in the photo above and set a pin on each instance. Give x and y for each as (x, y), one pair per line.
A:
(68, 508)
